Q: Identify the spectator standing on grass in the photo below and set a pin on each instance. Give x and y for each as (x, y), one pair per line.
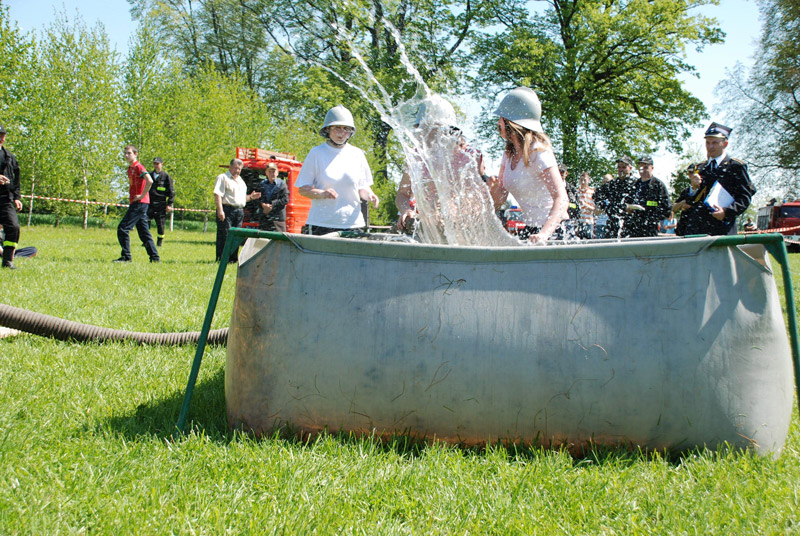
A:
(573, 208)
(601, 218)
(336, 177)
(726, 176)
(586, 203)
(690, 203)
(230, 197)
(668, 225)
(139, 183)
(162, 195)
(649, 204)
(613, 198)
(10, 201)
(274, 198)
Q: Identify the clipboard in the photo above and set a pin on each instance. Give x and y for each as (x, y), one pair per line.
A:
(718, 196)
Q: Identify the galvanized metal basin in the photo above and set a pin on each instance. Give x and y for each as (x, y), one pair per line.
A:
(662, 344)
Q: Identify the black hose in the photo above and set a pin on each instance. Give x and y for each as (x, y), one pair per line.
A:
(66, 330)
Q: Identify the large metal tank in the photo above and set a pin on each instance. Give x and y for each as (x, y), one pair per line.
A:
(669, 344)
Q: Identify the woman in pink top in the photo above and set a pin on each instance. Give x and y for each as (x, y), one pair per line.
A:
(529, 170)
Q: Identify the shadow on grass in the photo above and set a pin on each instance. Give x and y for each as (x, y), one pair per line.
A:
(159, 417)
(207, 416)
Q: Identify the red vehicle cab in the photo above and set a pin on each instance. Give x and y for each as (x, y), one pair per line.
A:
(254, 171)
(512, 220)
(783, 218)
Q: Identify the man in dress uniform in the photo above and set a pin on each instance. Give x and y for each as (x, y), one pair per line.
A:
(274, 198)
(650, 202)
(614, 196)
(10, 201)
(162, 195)
(727, 182)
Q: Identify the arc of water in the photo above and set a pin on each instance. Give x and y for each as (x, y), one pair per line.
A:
(453, 205)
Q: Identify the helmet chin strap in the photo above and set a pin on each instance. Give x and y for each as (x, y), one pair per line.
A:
(338, 145)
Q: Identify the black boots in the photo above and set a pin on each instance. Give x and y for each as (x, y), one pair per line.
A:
(8, 255)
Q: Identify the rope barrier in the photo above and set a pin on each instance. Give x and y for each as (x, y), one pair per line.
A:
(86, 202)
(778, 230)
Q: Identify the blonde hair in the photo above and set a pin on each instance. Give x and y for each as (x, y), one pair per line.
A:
(528, 139)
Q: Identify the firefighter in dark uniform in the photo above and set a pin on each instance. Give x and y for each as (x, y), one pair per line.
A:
(274, 198)
(614, 197)
(650, 204)
(10, 201)
(162, 195)
(690, 203)
(573, 208)
(728, 173)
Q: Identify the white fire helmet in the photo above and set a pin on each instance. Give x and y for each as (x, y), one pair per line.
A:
(338, 115)
(435, 110)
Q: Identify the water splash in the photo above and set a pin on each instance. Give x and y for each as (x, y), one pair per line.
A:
(453, 203)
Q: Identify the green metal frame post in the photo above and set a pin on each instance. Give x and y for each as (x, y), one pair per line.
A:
(233, 241)
(236, 236)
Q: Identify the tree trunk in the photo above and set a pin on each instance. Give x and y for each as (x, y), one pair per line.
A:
(85, 200)
(33, 183)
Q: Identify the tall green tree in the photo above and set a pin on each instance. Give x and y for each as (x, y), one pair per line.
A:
(213, 114)
(764, 104)
(368, 48)
(16, 57)
(80, 90)
(151, 82)
(607, 71)
(17, 109)
(222, 32)
(193, 118)
(309, 54)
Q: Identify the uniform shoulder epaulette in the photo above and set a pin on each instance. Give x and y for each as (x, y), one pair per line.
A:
(738, 161)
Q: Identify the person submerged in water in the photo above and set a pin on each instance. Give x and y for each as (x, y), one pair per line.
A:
(529, 170)
(439, 137)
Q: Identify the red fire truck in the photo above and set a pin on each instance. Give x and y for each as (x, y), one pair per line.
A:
(512, 220)
(255, 163)
(784, 218)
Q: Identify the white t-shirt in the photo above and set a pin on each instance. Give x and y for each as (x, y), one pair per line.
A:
(346, 171)
(528, 187)
(232, 191)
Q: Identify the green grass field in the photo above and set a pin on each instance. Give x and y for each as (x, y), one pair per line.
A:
(85, 442)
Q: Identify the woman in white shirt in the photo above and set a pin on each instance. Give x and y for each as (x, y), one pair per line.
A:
(529, 170)
(336, 177)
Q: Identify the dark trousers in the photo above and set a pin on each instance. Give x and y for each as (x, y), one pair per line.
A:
(318, 230)
(10, 222)
(136, 216)
(564, 231)
(158, 213)
(272, 225)
(233, 218)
